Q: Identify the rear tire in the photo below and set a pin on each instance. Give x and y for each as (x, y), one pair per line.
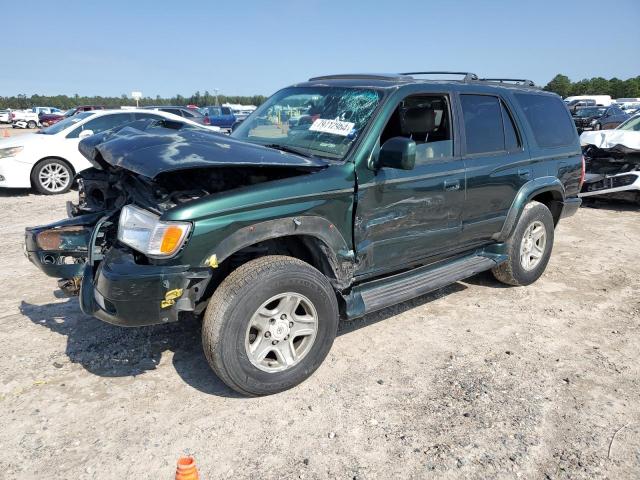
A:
(31, 124)
(529, 247)
(254, 307)
(52, 176)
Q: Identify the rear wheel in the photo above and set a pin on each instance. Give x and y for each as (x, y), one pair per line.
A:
(269, 325)
(31, 124)
(529, 247)
(52, 176)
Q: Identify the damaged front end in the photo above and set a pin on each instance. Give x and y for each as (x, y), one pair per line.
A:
(152, 169)
(612, 168)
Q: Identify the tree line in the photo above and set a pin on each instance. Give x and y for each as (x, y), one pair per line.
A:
(560, 84)
(65, 102)
(616, 88)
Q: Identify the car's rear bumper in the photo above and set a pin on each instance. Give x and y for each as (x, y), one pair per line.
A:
(570, 206)
(125, 293)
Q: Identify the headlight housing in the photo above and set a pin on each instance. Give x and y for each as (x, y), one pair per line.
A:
(594, 121)
(10, 152)
(144, 232)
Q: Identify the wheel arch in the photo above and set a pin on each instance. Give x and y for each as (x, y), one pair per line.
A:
(312, 239)
(546, 190)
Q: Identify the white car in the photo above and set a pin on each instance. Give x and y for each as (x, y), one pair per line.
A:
(613, 161)
(49, 159)
(5, 116)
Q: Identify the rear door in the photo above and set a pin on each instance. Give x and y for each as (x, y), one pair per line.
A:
(497, 164)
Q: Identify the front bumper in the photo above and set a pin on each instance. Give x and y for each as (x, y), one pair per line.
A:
(122, 292)
(608, 184)
(14, 173)
(115, 287)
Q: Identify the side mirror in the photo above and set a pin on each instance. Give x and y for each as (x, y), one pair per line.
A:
(398, 152)
(85, 134)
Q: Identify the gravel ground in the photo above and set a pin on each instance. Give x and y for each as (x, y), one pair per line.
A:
(473, 381)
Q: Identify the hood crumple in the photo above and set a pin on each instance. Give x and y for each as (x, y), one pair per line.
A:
(147, 149)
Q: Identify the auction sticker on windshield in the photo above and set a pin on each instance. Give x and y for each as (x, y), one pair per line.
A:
(335, 127)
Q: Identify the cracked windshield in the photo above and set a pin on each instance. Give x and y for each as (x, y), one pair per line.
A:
(318, 121)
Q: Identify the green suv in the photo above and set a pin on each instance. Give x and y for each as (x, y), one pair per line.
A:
(337, 197)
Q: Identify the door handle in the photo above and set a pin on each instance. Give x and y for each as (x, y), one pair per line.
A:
(451, 185)
(524, 172)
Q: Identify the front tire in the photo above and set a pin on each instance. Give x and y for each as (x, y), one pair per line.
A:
(529, 247)
(269, 325)
(52, 176)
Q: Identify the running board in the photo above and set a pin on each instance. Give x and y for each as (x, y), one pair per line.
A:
(378, 294)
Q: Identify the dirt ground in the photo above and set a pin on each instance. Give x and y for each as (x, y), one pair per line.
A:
(473, 381)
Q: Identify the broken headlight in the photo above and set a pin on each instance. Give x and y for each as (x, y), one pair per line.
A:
(143, 231)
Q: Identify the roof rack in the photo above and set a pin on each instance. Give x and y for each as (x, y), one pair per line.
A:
(360, 76)
(468, 76)
(522, 81)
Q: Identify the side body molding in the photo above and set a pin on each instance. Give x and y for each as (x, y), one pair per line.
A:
(336, 251)
(524, 195)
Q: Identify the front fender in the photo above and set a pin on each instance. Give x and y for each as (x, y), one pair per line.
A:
(524, 196)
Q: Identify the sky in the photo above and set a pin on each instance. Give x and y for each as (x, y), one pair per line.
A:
(248, 47)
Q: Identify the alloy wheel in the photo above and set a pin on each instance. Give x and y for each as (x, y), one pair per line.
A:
(533, 245)
(281, 332)
(54, 177)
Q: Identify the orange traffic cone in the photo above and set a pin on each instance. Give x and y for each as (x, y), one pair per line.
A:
(187, 469)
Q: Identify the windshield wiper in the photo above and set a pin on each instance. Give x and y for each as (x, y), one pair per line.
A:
(286, 148)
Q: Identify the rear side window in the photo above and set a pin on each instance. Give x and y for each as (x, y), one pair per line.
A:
(549, 120)
(488, 125)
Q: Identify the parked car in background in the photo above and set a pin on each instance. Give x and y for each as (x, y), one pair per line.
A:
(222, 117)
(5, 116)
(46, 110)
(49, 119)
(49, 159)
(24, 119)
(599, 118)
(613, 162)
(274, 233)
(189, 113)
(600, 100)
(240, 111)
(574, 105)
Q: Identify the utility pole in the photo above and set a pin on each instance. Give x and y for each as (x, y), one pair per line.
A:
(215, 91)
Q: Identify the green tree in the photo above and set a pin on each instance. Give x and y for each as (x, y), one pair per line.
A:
(560, 84)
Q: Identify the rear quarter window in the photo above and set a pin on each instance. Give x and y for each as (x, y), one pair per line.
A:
(548, 118)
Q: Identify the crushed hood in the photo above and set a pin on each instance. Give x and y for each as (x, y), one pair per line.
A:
(149, 149)
(623, 140)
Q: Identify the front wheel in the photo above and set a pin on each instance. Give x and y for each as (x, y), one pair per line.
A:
(269, 325)
(529, 247)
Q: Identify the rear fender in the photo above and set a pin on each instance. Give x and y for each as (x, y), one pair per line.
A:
(524, 196)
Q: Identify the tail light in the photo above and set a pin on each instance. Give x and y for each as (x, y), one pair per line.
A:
(583, 173)
(13, 115)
